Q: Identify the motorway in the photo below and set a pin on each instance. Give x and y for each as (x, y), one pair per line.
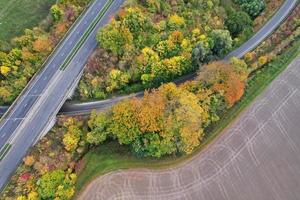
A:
(34, 111)
(36, 108)
(83, 108)
(257, 157)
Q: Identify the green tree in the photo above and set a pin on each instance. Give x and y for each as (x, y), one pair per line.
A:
(237, 22)
(222, 42)
(49, 182)
(201, 54)
(117, 80)
(254, 7)
(98, 124)
(56, 12)
(114, 37)
(57, 185)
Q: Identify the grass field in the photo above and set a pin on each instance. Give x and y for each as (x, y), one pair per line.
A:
(111, 156)
(16, 15)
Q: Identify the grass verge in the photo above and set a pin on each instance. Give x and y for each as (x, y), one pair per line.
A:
(111, 156)
(16, 15)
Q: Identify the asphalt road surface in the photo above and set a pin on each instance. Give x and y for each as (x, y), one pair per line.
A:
(256, 158)
(38, 105)
(265, 31)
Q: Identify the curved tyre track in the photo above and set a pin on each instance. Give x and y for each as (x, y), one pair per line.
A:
(257, 157)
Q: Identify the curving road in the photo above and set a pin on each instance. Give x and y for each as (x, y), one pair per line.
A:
(34, 112)
(257, 157)
(262, 34)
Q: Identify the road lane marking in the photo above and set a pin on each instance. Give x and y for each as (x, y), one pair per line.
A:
(87, 33)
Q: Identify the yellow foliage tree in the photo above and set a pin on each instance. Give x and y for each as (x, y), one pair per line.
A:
(29, 160)
(33, 196)
(4, 70)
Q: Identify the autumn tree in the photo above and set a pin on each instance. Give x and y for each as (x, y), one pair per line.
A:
(114, 37)
(56, 184)
(29, 160)
(49, 183)
(125, 125)
(73, 134)
(222, 78)
(117, 80)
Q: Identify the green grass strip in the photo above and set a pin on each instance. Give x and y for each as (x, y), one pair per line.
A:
(86, 34)
(4, 150)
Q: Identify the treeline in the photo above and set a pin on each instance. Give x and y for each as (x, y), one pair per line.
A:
(151, 42)
(31, 49)
(168, 120)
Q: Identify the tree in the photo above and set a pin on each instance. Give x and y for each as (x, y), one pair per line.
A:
(237, 22)
(222, 42)
(5, 94)
(57, 185)
(176, 21)
(42, 45)
(4, 70)
(117, 80)
(124, 124)
(262, 60)
(240, 67)
(56, 12)
(21, 197)
(49, 182)
(222, 78)
(150, 111)
(252, 7)
(201, 54)
(135, 20)
(29, 160)
(188, 119)
(73, 134)
(152, 144)
(114, 37)
(98, 124)
(33, 196)
(71, 138)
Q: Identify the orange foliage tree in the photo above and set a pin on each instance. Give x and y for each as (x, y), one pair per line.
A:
(223, 78)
